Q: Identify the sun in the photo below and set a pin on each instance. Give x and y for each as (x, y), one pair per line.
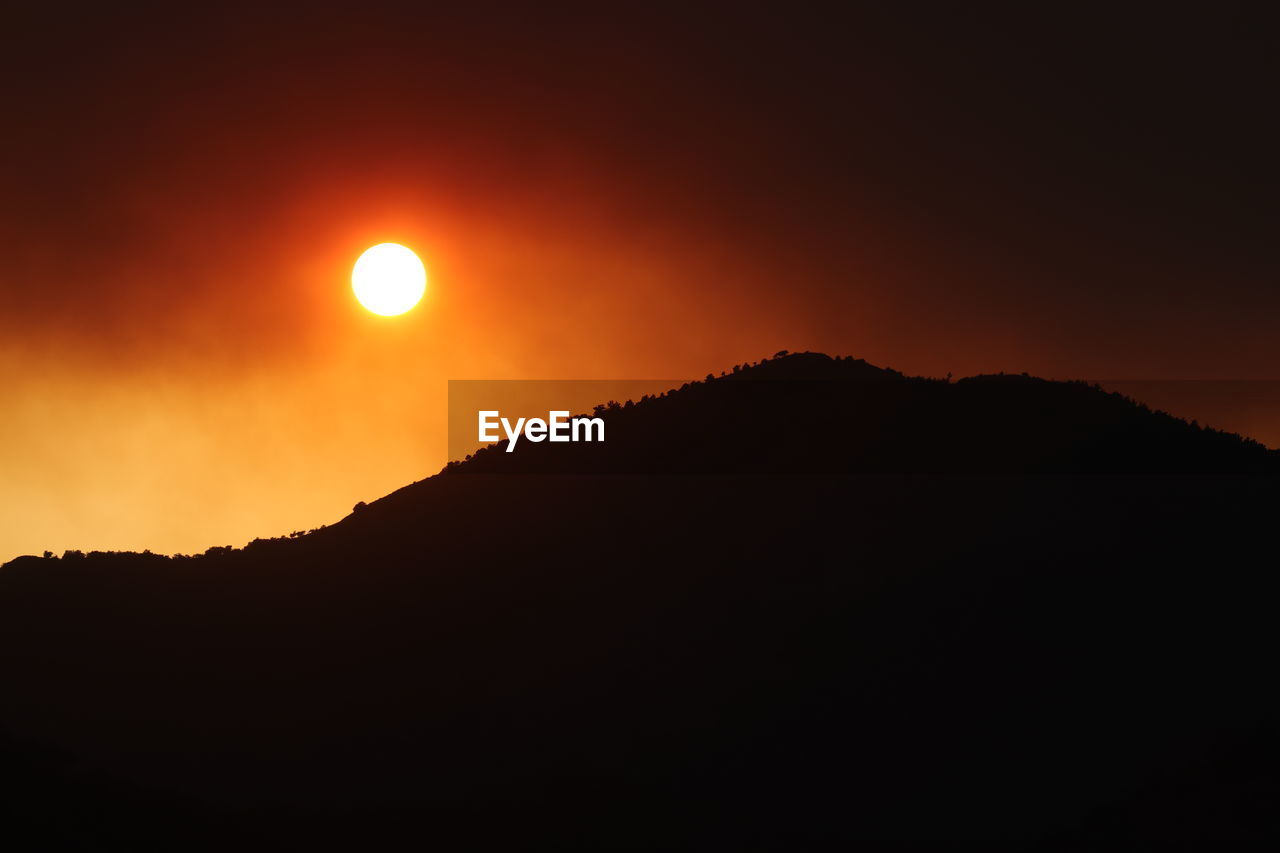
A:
(389, 279)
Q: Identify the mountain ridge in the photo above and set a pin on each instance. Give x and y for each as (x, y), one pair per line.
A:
(696, 659)
(1112, 417)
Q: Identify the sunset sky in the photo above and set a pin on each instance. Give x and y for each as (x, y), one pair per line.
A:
(597, 194)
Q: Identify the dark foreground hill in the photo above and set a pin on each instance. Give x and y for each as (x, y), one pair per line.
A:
(844, 605)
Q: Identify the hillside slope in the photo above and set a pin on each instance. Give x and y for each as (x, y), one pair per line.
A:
(939, 637)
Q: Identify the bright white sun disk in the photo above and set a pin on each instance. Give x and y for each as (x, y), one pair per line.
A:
(389, 279)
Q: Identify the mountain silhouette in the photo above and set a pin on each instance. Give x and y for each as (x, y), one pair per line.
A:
(809, 413)
(808, 602)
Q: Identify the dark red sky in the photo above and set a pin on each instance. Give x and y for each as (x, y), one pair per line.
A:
(599, 192)
(1088, 191)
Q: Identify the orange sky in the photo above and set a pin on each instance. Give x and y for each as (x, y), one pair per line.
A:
(621, 196)
(271, 401)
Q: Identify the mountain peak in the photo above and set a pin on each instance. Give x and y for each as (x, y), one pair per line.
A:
(810, 413)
